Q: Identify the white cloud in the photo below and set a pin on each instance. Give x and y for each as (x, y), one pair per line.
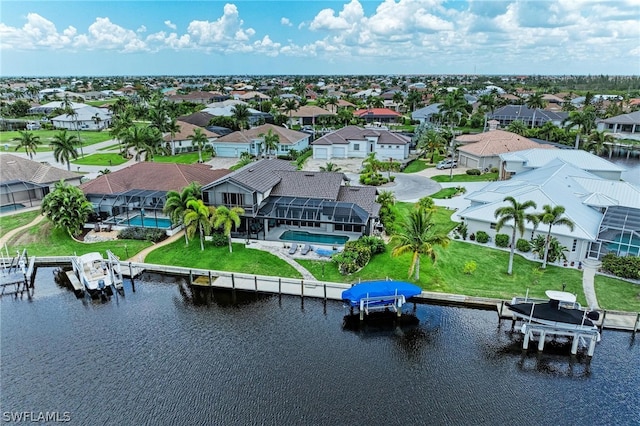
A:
(170, 24)
(104, 34)
(225, 33)
(286, 22)
(350, 15)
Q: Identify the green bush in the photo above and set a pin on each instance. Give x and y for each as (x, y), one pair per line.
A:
(375, 244)
(493, 170)
(353, 258)
(523, 245)
(470, 267)
(142, 234)
(622, 266)
(473, 172)
(482, 237)
(218, 239)
(502, 240)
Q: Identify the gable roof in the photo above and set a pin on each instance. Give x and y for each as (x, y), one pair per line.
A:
(496, 142)
(523, 112)
(153, 176)
(287, 136)
(321, 185)
(355, 133)
(363, 196)
(310, 111)
(199, 118)
(14, 168)
(376, 112)
(631, 118)
(258, 176)
(536, 158)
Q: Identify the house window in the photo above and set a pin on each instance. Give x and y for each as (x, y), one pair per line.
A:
(356, 147)
(574, 245)
(492, 226)
(397, 146)
(232, 199)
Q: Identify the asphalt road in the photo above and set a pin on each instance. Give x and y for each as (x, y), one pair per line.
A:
(406, 187)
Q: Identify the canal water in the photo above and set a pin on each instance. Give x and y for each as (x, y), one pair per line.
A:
(159, 356)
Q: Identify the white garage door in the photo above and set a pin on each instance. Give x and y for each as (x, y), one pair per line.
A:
(226, 152)
(338, 152)
(320, 153)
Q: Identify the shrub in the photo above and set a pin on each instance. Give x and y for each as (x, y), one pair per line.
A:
(462, 230)
(523, 245)
(482, 237)
(143, 234)
(502, 240)
(353, 258)
(493, 170)
(218, 239)
(622, 266)
(473, 172)
(375, 244)
(472, 237)
(470, 267)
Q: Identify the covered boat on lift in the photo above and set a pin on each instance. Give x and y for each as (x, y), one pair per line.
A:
(372, 296)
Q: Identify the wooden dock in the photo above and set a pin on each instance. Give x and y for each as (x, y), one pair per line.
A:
(17, 275)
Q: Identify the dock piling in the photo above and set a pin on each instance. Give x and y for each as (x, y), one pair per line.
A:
(133, 281)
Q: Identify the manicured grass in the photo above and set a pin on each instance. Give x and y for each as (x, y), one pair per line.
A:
(101, 159)
(444, 193)
(417, 165)
(111, 147)
(486, 177)
(87, 137)
(7, 223)
(44, 240)
(186, 158)
(245, 260)
(617, 295)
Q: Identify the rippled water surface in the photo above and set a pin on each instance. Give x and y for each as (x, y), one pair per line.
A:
(156, 357)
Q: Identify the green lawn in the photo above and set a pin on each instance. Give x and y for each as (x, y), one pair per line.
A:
(618, 295)
(186, 158)
(466, 178)
(43, 240)
(101, 159)
(445, 193)
(245, 260)
(87, 137)
(7, 223)
(417, 165)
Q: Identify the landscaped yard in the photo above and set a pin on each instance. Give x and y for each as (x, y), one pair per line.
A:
(100, 159)
(7, 223)
(417, 165)
(87, 137)
(486, 177)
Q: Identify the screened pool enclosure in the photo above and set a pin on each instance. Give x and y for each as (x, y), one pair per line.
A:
(136, 207)
(619, 233)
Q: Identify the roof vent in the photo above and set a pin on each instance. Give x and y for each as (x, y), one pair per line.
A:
(250, 170)
(353, 188)
(309, 174)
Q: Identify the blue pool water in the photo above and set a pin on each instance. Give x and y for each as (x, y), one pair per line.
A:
(11, 207)
(309, 237)
(622, 244)
(147, 222)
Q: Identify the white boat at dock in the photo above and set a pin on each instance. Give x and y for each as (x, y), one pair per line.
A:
(99, 276)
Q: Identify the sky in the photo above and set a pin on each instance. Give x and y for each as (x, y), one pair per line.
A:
(309, 37)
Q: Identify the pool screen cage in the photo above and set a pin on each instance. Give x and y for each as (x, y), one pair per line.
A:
(17, 191)
(313, 209)
(120, 208)
(619, 233)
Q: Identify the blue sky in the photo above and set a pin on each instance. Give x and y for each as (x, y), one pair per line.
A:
(77, 38)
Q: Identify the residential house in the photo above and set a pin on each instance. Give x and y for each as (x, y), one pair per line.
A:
(276, 197)
(482, 150)
(622, 126)
(197, 97)
(358, 142)
(181, 141)
(24, 182)
(605, 213)
(378, 115)
(86, 118)
(136, 195)
(535, 117)
(49, 107)
(252, 141)
(226, 109)
(428, 114)
(309, 115)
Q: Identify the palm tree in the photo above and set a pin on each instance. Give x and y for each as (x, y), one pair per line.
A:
(198, 138)
(122, 122)
(386, 199)
(271, 141)
(29, 142)
(371, 164)
(290, 105)
(241, 115)
(225, 218)
(345, 115)
(398, 99)
(333, 101)
(517, 127)
(176, 203)
(584, 120)
(97, 119)
(197, 216)
(67, 105)
(431, 143)
(453, 108)
(173, 127)
(488, 102)
(599, 142)
(427, 204)
(330, 167)
(64, 148)
(138, 138)
(553, 216)
(515, 212)
(535, 101)
(418, 236)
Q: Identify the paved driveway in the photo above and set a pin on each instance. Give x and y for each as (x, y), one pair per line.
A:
(406, 187)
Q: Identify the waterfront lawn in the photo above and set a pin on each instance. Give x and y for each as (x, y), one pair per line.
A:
(100, 159)
(614, 294)
(245, 260)
(44, 240)
(8, 223)
(485, 177)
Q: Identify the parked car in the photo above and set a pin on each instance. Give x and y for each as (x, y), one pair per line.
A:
(447, 164)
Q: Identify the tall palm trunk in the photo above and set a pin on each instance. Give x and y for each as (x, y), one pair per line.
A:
(512, 251)
(201, 238)
(230, 246)
(546, 249)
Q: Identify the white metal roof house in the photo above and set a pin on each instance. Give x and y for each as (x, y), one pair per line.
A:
(358, 142)
(606, 213)
(622, 126)
(86, 118)
(426, 114)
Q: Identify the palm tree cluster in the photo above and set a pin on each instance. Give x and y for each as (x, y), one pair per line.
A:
(187, 208)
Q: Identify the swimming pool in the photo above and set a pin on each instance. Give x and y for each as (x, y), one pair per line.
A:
(11, 207)
(309, 237)
(147, 222)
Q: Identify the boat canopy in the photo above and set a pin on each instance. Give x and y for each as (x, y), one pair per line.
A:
(379, 289)
(561, 296)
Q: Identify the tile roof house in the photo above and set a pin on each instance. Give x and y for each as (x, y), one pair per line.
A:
(380, 115)
(277, 197)
(142, 187)
(358, 142)
(482, 150)
(623, 126)
(308, 114)
(24, 182)
(252, 141)
(181, 140)
(606, 213)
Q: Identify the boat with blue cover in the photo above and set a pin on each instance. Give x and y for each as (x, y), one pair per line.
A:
(372, 296)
